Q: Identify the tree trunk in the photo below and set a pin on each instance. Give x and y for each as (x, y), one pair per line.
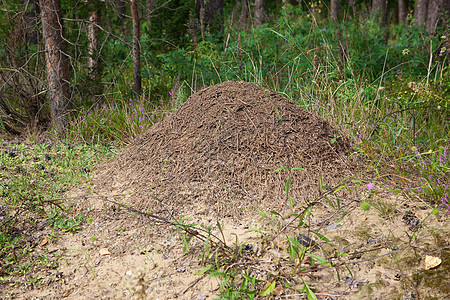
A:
(93, 44)
(380, 7)
(210, 15)
(120, 8)
(401, 12)
(420, 13)
(94, 85)
(218, 14)
(433, 14)
(121, 12)
(243, 19)
(32, 18)
(335, 7)
(236, 11)
(260, 12)
(437, 12)
(200, 7)
(149, 4)
(57, 64)
(136, 46)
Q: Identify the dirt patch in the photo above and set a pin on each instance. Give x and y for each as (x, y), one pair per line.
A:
(376, 257)
(221, 148)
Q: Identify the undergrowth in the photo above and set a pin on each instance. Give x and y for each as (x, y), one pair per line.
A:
(31, 175)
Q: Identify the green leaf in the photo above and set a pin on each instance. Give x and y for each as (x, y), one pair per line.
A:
(309, 293)
(298, 168)
(221, 231)
(252, 280)
(323, 238)
(349, 271)
(330, 202)
(300, 220)
(268, 289)
(288, 185)
(275, 213)
(292, 252)
(338, 189)
(204, 270)
(263, 213)
(217, 274)
(280, 168)
(321, 260)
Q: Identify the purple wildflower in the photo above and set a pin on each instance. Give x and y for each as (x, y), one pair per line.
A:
(445, 201)
(370, 186)
(445, 153)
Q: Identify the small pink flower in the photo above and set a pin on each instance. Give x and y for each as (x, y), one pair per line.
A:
(370, 186)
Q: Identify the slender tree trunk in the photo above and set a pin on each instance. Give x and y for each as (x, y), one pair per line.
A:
(200, 6)
(210, 15)
(93, 43)
(243, 18)
(401, 11)
(236, 11)
(335, 7)
(380, 7)
(57, 63)
(136, 46)
(220, 15)
(34, 34)
(260, 12)
(420, 12)
(94, 85)
(121, 12)
(120, 8)
(149, 4)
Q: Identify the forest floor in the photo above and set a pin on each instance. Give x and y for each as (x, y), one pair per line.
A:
(384, 258)
(221, 176)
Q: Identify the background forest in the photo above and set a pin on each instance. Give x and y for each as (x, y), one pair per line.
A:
(156, 53)
(96, 74)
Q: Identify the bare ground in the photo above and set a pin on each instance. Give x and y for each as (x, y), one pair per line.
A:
(380, 257)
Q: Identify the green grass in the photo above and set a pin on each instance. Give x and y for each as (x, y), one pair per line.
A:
(123, 117)
(31, 175)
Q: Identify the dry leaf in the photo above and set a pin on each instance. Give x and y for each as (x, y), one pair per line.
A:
(104, 251)
(363, 218)
(43, 242)
(67, 293)
(432, 262)
(278, 291)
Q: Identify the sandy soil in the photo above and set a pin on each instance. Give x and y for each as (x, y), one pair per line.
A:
(384, 258)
